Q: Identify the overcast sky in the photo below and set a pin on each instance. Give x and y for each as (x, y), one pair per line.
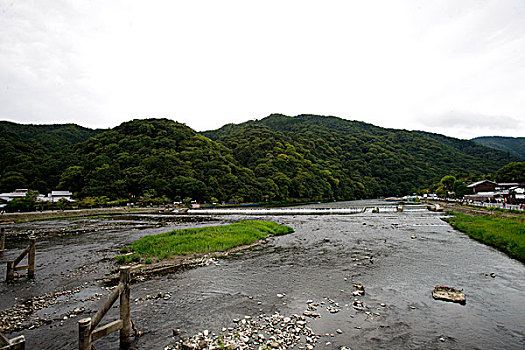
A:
(451, 67)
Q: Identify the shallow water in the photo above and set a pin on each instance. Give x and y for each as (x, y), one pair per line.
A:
(376, 250)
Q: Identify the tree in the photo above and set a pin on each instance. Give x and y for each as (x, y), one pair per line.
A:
(12, 180)
(72, 179)
(512, 172)
(27, 203)
(448, 182)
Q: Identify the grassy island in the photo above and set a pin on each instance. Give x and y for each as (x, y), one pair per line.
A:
(200, 240)
(504, 233)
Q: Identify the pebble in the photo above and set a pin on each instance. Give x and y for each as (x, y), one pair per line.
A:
(261, 332)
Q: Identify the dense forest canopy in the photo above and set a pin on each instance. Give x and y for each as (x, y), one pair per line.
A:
(331, 158)
(512, 145)
(278, 158)
(34, 156)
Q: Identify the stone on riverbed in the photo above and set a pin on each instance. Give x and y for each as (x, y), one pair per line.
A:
(449, 294)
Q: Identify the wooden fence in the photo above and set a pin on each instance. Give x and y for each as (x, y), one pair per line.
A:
(88, 332)
(18, 343)
(2, 239)
(30, 251)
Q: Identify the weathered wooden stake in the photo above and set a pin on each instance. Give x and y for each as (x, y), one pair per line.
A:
(84, 334)
(10, 276)
(87, 327)
(125, 332)
(18, 343)
(2, 239)
(31, 258)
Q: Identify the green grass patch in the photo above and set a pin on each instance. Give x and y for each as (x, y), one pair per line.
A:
(126, 259)
(504, 233)
(205, 239)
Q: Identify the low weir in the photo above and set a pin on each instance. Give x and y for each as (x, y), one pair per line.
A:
(300, 211)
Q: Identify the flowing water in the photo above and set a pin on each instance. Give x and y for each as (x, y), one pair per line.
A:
(398, 257)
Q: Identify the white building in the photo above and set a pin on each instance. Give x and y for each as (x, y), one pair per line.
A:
(18, 193)
(56, 196)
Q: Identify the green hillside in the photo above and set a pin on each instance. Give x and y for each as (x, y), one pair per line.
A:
(278, 158)
(33, 156)
(512, 145)
(331, 158)
(159, 157)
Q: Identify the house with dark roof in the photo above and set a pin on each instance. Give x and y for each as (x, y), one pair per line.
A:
(483, 186)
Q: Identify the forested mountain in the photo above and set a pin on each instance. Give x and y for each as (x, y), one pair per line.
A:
(277, 158)
(159, 157)
(512, 145)
(33, 156)
(311, 156)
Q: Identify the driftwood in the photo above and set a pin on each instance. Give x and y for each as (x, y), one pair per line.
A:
(449, 294)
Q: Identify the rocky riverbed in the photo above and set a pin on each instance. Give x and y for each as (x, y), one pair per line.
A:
(350, 281)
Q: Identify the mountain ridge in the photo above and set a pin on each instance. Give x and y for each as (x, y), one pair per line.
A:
(512, 145)
(307, 157)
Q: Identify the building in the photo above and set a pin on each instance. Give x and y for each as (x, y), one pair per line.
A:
(56, 196)
(502, 186)
(483, 186)
(517, 195)
(18, 193)
(488, 191)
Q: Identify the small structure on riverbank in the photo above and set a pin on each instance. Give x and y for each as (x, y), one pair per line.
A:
(87, 327)
(30, 251)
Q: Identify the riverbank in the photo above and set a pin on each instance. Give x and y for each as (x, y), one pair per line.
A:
(73, 213)
(475, 210)
(504, 233)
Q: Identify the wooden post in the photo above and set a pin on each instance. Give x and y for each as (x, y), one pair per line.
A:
(125, 332)
(31, 258)
(10, 277)
(2, 239)
(18, 343)
(84, 334)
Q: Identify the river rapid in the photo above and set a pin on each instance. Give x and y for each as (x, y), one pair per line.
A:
(397, 256)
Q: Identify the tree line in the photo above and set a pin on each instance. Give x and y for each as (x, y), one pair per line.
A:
(278, 158)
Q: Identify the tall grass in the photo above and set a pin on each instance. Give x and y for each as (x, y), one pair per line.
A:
(504, 233)
(206, 239)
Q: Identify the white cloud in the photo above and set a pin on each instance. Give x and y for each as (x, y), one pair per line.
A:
(459, 124)
(209, 63)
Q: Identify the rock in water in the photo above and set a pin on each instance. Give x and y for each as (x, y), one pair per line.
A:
(449, 294)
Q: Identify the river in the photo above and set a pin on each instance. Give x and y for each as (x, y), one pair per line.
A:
(398, 256)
